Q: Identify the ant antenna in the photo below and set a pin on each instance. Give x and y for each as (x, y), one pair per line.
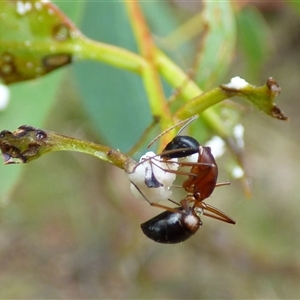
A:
(186, 122)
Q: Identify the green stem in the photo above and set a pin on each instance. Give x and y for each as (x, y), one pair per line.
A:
(201, 102)
(57, 142)
(189, 90)
(28, 143)
(112, 55)
(176, 77)
(157, 100)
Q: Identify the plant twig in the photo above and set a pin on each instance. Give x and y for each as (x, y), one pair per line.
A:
(28, 143)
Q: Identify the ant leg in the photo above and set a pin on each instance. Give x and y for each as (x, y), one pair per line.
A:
(176, 171)
(215, 213)
(173, 202)
(156, 204)
(132, 167)
(191, 164)
(223, 218)
(222, 183)
(171, 209)
(141, 192)
(184, 205)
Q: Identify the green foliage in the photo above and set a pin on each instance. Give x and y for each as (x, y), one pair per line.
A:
(114, 99)
(254, 39)
(73, 225)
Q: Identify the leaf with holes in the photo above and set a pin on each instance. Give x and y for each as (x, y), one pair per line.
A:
(37, 39)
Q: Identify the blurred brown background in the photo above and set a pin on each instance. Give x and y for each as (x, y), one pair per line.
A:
(72, 229)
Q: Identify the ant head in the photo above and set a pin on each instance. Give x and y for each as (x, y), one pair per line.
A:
(180, 146)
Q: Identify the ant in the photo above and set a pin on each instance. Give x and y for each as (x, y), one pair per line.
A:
(149, 179)
(178, 224)
(175, 225)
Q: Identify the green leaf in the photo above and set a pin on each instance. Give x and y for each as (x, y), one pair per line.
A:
(37, 39)
(115, 99)
(30, 101)
(218, 44)
(254, 38)
(295, 5)
(164, 23)
(73, 11)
